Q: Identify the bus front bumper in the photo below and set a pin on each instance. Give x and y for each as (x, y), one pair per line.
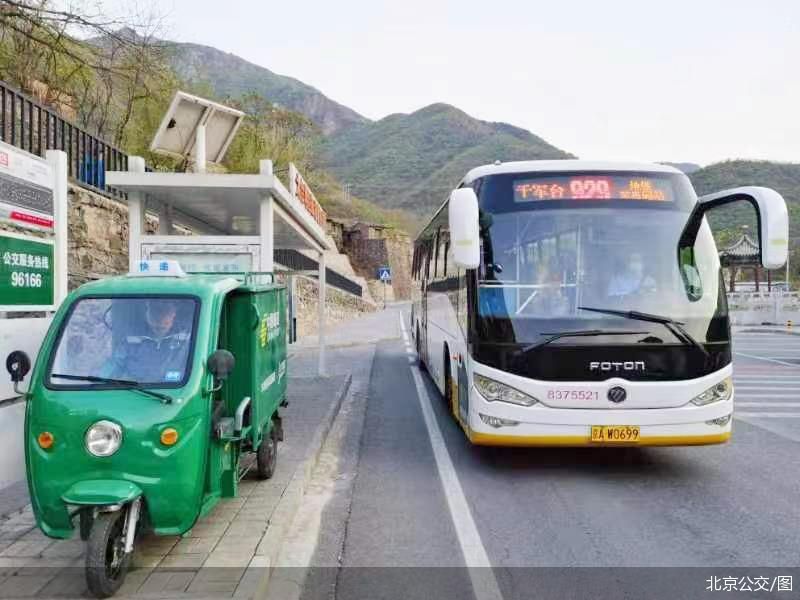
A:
(545, 426)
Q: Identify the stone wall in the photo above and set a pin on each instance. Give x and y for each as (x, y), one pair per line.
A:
(399, 249)
(339, 306)
(98, 236)
(394, 250)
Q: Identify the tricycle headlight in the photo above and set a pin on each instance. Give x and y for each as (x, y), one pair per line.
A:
(719, 392)
(103, 438)
(494, 391)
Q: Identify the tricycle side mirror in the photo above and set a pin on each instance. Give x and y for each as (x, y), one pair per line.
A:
(18, 364)
(221, 364)
(462, 217)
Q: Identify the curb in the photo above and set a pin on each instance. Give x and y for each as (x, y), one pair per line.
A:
(287, 507)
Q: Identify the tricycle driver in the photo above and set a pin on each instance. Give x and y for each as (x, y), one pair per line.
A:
(155, 350)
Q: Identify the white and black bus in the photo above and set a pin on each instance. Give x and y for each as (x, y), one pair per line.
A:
(581, 303)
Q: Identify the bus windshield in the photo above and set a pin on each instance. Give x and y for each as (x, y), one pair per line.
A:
(552, 246)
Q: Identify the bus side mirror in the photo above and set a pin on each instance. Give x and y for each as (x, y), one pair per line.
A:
(220, 364)
(18, 364)
(462, 218)
(773, 219)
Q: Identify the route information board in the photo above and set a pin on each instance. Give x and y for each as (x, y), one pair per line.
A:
(26, 189)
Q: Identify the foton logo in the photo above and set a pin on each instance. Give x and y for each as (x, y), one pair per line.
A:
(630, 365)
(3, 159)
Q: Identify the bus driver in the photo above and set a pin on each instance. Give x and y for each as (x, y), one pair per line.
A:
(629, 277)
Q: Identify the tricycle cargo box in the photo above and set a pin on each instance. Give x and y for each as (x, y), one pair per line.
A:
(255, 332)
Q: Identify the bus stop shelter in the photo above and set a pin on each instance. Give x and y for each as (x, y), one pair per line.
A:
(222, 222)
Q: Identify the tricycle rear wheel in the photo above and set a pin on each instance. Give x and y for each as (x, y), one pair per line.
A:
(106, 560)
(267, 455)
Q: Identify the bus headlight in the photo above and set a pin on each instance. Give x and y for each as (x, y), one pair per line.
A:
(719, 392)
(103, 438)
(494, 391)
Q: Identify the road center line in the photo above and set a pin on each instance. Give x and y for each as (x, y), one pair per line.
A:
(481, 575)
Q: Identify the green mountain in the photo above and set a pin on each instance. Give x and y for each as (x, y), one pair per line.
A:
(782, 177)
(411, 161)
(228, 75)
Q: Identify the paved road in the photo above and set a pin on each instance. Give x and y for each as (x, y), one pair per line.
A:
(709, 508)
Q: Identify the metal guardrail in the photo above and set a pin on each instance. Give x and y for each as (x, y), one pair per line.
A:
(30, 126)
(296, 261)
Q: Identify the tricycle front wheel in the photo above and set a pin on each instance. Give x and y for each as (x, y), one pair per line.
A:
(267, 455)
(106, 560)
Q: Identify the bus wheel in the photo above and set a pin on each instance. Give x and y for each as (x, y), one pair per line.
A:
(448, 381)
(106, 560)
(267, 455)
(420, 362)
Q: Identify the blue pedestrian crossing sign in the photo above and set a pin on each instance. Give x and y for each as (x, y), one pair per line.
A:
(384, 273)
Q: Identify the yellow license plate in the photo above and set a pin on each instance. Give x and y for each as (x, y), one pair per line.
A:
(616, 434)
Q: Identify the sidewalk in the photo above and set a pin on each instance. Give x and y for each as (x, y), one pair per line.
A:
(228, 553)
(368, 329)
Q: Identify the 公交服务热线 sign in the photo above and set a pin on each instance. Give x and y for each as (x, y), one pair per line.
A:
(27, 273)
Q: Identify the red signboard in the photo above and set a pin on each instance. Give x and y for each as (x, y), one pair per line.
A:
(301, 190)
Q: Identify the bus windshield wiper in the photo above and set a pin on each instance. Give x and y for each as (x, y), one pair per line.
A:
(675, 327)
(121, 383)
(580, 333)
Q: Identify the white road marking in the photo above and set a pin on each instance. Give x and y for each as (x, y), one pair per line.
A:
(774, 360)
(484, 584)
(767, 380)
(740, 395)
(767, 415)
(769, 404)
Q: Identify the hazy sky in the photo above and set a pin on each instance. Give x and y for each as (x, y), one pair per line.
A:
(681, 80)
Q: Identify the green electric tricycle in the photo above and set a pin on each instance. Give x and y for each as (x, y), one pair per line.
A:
(147, 390)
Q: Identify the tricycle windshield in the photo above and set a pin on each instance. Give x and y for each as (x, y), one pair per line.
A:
(147, 340)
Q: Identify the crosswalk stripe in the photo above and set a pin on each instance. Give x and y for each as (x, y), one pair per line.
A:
(777, 379)
(754, 387)
(768, 386)
(745, 396)
(767, 377)
(769, 404)
(768, 415)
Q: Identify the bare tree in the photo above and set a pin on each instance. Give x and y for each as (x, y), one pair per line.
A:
(92, 67)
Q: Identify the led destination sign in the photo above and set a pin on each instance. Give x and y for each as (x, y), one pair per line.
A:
(594, 187)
